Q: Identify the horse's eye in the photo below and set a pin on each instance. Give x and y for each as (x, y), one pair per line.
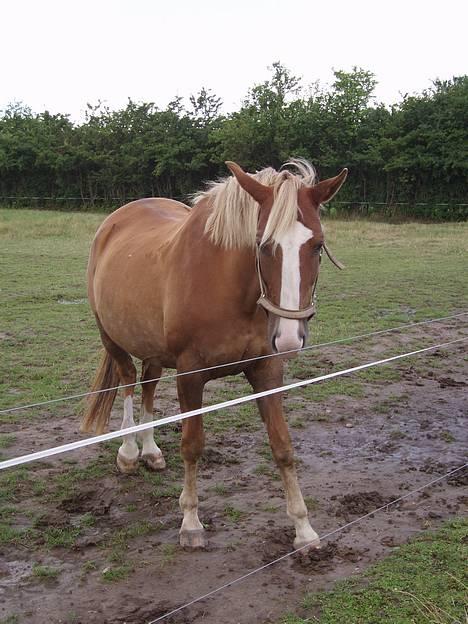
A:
(317, 249)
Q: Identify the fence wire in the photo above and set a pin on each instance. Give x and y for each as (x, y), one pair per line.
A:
(324, 537)
(244, 361)
(24, 459)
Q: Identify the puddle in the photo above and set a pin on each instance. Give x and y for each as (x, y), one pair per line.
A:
(72, 301)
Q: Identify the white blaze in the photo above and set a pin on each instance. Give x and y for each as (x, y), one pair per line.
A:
(291, 243)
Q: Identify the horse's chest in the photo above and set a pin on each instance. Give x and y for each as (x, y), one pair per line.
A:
(217, 342)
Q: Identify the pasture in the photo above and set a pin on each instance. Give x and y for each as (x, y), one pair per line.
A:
(82, 543)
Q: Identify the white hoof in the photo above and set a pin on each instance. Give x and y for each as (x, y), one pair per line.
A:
(307, 545)
(193, 539)
(126, 466)
(153, 461)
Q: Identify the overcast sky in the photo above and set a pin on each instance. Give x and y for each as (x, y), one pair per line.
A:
(59, 55)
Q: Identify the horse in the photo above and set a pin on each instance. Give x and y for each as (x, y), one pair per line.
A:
(229, 278)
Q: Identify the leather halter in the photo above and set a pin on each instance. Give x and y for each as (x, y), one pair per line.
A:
(269, 306)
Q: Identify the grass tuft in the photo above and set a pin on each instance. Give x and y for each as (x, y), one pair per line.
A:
(44, 572)
(422, 582)
(117, 573)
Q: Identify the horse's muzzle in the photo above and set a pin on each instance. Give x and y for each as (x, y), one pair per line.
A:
(289, 337)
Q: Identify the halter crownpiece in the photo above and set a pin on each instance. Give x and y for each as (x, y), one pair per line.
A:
(269, 306)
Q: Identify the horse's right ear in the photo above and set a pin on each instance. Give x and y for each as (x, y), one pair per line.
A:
(258, 191)
(325, 190)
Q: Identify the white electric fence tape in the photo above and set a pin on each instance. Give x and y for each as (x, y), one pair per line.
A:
(252, 359)
(24, 459)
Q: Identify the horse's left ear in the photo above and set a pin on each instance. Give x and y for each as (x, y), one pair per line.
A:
(325, 190)
(258, 191)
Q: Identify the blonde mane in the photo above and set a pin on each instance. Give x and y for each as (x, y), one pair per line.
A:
(234, 216)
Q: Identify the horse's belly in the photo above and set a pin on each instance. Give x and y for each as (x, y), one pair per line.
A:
(131, 314)
(132, 329)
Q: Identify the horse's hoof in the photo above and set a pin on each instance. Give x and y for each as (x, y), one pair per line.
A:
(153, 461)
(193, 539)
(126, 466)
(305, 545)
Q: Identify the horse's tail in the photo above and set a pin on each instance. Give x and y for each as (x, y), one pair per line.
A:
(99, 405)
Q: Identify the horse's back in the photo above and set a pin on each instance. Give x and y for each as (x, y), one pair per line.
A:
(137, 216)
(152, 221)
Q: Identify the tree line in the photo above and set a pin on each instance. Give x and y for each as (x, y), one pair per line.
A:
(410, 158)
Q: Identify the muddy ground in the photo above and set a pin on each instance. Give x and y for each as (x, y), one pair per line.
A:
(122, 563)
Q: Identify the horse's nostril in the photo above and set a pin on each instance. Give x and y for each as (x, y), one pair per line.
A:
(273, 344)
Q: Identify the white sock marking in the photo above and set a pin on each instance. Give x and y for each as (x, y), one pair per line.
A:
(129, 448)
(146, 437)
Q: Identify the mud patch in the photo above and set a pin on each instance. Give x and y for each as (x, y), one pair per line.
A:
(324, 558)
(360, 503)
(97, 502)
(72, 301)
(212, 457)
(458, 479)
(315, 560)
(131, 524)
(149, 612)
(450, 382)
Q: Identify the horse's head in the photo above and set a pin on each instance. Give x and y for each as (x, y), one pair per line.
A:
(288, 251)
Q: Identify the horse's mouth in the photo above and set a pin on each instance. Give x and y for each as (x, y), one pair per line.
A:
(290, 355)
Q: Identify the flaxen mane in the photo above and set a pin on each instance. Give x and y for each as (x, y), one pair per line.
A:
(233, 220)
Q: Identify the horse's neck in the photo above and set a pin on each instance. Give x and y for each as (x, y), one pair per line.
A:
(235, 267)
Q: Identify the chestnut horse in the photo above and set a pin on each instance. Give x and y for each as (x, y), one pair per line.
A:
(231, 278)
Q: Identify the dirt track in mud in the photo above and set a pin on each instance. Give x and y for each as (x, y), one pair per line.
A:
(354, 455)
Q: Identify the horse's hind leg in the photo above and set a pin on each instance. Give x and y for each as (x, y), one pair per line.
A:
(151, 453)
(127, 456)
(190, 391)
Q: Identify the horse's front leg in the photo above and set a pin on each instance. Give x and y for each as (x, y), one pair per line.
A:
(264, 376)
(190, 392)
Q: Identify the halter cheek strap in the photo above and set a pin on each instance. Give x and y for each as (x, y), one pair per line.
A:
(331, 257)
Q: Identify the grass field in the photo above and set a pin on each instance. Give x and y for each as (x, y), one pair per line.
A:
(49, 347)
(394, 274)
(424, 582)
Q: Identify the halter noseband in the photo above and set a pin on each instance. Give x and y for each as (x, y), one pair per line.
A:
(269, 306)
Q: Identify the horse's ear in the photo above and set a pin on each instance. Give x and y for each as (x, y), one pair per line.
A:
(258, 191)
(325, 190)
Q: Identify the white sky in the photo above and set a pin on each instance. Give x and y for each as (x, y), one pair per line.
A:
(59, 55)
